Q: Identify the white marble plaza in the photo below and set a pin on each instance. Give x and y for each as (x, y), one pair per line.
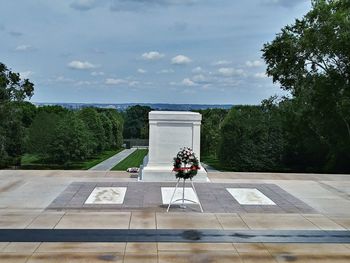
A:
(107, 195)
(250, 196)
(169, 131)
(167, 193)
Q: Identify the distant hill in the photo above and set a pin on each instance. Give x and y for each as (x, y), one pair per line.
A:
(155, 106)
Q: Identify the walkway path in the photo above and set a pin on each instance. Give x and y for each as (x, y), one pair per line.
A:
(108, 164)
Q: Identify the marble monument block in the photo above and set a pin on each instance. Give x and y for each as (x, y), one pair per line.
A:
(169, 131)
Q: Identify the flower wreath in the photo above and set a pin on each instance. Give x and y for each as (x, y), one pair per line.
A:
(186, 164)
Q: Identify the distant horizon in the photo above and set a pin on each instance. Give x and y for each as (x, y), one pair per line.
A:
(125, 103)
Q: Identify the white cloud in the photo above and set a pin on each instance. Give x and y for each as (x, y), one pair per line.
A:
(26, 74)
(255, 63)
(141, 71)
(152, 55)
(111, 81)
(166, 71)
(83, 83)
(82, 65)
(230, 72)
(97, 73)
(222, 62)
(116, 82)
(199, 78)
(133, 83)
(188, 82)
(260, 75)
(23, 48)
(180, 60)
(197, 70)
(185, 82)
(63, 79)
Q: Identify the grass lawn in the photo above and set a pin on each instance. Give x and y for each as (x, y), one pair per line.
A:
(214, 162)
(31, 161)
(133, 160)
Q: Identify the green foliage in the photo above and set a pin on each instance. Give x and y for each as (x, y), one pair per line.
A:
(93, 123)
(12, 87)
(62, 137)
(210, 130)
(136, 122)
(117, 122)
(32, 161)
(108, 130)
(311, 59)
(13, 90)
(251, 139)
(56, 109)
(71, 141)
(41, 133)
(28, 112)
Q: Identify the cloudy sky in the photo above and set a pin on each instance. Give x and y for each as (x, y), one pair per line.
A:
(170, 51)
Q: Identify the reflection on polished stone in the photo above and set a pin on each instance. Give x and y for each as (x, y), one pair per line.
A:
(167, 193)
(107, 195)
(250, 196)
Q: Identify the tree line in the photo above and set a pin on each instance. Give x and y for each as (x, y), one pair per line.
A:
(55, 134)
(308, 131)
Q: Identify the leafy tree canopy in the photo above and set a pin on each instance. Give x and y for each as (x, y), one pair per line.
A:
(311, 60)
(13, 90)
(136, 122)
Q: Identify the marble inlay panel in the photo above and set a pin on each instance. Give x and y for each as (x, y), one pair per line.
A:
(167, 193)
(250, 196)
(214, 197)
(107, 195)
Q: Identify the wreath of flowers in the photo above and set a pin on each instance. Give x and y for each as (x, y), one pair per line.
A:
(186, 164)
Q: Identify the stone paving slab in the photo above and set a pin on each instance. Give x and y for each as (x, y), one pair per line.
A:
(214, 198)
(187, 252)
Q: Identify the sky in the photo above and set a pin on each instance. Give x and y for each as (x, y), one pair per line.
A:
(152, 51)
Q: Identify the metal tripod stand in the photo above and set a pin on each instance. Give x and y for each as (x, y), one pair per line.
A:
(183, 199)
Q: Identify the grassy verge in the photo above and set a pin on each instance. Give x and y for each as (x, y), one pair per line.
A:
(214, 162)
(31, 161)
(133, 160)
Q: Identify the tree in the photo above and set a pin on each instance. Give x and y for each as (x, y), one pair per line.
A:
(311, 60)
(12, 91)
(71, 141)
(117, 121)
(251, 139)
(136, 122)
(117, 126)
(12, 87)
(28, 112)
(41, 133)
(210, 130)
(108, 130)
(93, 123)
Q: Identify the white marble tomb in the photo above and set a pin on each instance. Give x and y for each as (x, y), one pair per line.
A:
(169, 131)
(250, 196)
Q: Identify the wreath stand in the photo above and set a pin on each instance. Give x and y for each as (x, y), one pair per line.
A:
(183, 199)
